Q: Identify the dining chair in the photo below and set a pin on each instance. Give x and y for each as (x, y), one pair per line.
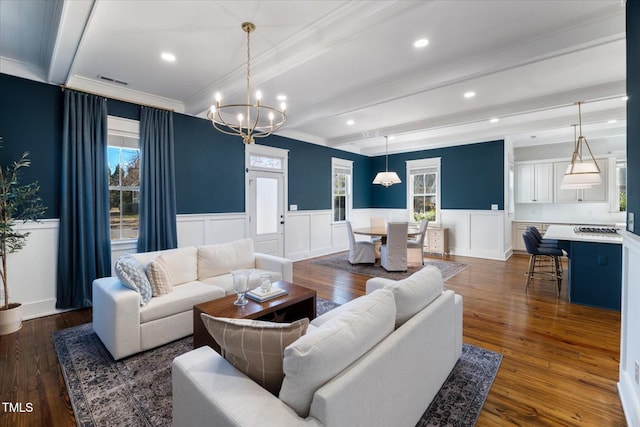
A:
(360, 252)
(377, 222)
(394, 251)
(415, 246)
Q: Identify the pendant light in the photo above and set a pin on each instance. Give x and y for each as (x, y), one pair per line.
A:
(581, 173)
(386, 178)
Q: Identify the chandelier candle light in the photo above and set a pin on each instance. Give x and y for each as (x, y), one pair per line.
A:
(250, 120)
(581, 173)
(386, 178)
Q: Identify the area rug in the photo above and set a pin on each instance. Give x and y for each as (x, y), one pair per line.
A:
(127, 392)
(341, 262)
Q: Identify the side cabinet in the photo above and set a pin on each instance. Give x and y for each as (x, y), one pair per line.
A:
(437, 240)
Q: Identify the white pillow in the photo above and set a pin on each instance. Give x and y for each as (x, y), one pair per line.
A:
(415, 292)
(314, 359)
(215, 260)
(131, 273)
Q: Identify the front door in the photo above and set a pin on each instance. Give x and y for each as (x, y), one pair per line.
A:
(266, 191)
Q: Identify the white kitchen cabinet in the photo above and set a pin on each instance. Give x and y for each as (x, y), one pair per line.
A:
(594, 194)
(534, 182)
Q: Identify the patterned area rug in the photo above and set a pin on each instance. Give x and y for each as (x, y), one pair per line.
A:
(341, 262)
(127, 392)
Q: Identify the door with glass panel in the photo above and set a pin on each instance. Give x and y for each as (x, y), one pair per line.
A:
(266, 211)
(266, 197)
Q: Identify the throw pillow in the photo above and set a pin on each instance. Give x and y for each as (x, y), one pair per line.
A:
(159, 277)
(316, 358)
(131, 273)
(255, 347)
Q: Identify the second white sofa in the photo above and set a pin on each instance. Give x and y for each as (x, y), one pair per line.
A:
(378, 360)
(198, 274)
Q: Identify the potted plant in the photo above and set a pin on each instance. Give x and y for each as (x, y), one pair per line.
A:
(18, 202)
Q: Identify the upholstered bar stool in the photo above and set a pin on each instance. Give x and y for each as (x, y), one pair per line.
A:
(544, 261)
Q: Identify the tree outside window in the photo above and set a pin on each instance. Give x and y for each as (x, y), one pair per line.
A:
(124, 191)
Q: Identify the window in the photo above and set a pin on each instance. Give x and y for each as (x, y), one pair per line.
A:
(423, 189)
(621, 183)
(124, 181)
(341, 189)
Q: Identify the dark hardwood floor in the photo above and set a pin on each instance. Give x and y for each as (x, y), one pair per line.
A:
(560, 364)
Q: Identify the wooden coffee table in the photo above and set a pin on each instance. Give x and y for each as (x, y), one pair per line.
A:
(299, 303)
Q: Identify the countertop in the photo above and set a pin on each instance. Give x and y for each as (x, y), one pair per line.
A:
(566, 232)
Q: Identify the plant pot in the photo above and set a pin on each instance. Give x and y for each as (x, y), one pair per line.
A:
(11, 319)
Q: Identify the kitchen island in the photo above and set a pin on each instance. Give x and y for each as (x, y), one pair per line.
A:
(595, 263)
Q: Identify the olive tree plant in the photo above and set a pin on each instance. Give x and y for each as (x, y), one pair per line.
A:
(18, 203)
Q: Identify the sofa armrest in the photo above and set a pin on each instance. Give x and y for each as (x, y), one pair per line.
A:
(377, 283)
(275, 263)
(208, 390)
(116, 316)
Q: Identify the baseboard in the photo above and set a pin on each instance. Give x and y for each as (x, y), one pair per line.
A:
(497, 256)
(629, 399)
(34, 309)
(299, 256)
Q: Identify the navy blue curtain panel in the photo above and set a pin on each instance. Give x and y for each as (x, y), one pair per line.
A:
(157, 182)
(84, 246)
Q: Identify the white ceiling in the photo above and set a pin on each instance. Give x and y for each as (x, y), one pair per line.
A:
(527, 61)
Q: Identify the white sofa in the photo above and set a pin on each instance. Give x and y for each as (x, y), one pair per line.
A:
(198, 274)
(398, 344)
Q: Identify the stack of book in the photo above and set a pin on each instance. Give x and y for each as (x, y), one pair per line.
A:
(259, 295)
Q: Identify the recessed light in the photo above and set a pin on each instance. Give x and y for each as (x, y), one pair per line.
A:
(350, 122)
(613, 121)
(494, 120)
(391, 137)
(469, 94)
(625, 98)
(169, 57)
(420, 43)
(281, 97)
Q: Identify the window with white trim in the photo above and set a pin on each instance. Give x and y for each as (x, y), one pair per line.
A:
(341, 194)
(123, 154)
(423, 189)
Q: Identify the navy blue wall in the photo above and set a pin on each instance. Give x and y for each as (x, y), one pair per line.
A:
(209, 165)
(472, 177)
(31, 120)
(633, 111)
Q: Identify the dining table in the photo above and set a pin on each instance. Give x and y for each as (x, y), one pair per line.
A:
(382, 232)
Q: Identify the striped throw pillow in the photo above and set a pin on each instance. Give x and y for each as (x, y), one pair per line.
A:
(255, 347)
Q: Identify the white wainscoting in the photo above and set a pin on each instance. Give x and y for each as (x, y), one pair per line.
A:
(628, 387)
(208, 229)
(32, 271)
(475, 233)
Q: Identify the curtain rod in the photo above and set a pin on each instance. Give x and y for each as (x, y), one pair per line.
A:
(63, 87)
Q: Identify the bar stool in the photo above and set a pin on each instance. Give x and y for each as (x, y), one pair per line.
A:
(545, 258)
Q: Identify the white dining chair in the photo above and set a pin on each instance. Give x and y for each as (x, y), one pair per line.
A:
(415, 246)
(394, 251)
(360, 252)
